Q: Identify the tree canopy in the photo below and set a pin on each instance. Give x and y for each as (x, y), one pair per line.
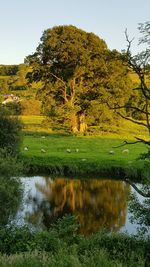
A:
(77, 70)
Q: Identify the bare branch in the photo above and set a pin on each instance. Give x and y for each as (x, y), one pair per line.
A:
(131, 107)
(64, 84)
(142, 141)
(127, 143)
(147, 195)
(138, 67)
(132, 120)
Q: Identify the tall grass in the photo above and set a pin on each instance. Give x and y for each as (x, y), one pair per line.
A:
(63, 246)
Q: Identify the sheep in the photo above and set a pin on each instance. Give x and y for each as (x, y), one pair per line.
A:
(125, 151)
(77, 150)
(26, 148)
(43, 137)
(83, 159)
(68, 150)
(43, 150)
(111, 152)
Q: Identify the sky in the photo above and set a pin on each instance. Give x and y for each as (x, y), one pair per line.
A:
(22, 22)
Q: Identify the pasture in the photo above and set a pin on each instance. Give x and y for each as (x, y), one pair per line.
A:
(80, 155)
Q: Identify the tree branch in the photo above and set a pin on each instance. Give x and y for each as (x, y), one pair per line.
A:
(64, 84)
(127, 143)
(132, 120)
(137, 68)
(131, 107)
(143, 194)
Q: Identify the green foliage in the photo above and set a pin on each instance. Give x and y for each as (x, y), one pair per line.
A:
(10, 132)
(10, 190)
(9, 166)
(140, 211)
(7, 70)
(77, 73)
(9, 198)
(14, 108)
(51, 247)
(63, 258)
(30, 107)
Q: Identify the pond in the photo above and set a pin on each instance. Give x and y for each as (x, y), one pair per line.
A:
(96, 203)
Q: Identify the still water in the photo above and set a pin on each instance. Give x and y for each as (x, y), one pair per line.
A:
(97, 203)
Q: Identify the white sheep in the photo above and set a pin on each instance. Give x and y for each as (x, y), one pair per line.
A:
(125, 151)
(68, 150)
(26, 148)
(43, 150)
(111, 152)
(77, 150)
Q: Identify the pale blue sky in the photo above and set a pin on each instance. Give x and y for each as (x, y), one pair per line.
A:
(22, 22)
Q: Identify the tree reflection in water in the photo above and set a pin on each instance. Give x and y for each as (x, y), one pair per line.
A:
(96, 203)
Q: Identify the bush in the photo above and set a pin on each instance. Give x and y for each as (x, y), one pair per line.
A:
(10, 132)
(14, 108)
(10, 190)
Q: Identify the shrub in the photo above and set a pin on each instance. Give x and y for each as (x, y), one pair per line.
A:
(10, 132)
(10, 190)
(14, 108)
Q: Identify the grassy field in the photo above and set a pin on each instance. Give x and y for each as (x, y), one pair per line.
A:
(80, 155)
(45, 151)
(125, 130)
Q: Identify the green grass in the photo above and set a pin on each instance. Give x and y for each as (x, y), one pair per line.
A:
(65, 258)
(32, 120)
(125, 129)
(34, 124)
(93, 156)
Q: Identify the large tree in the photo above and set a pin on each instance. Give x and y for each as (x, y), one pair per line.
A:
(76, 68)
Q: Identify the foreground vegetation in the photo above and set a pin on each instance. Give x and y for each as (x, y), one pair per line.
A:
(63, 246)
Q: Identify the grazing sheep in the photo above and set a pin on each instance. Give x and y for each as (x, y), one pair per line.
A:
(68, 150)
(43, 150)
(111, 152)
(83, 159)
(26, 148)
(43, 137)
(125, 151)
(77, 150)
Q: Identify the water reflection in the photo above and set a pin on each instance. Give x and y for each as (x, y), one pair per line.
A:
(96, 203)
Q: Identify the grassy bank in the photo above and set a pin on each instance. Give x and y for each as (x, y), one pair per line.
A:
(70, 155)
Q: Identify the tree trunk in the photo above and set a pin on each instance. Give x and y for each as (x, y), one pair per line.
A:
(82, 126)
(73, 123)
